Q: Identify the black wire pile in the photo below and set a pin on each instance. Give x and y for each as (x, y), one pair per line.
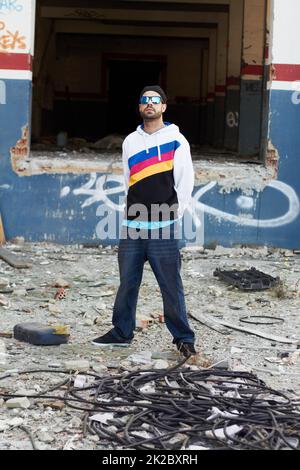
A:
(179, 408)
(182, 407)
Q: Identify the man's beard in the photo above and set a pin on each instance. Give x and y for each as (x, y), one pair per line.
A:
(151, 116)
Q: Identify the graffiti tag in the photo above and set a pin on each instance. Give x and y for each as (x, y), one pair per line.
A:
(2, 92)
(232, 119)
(287, 218)
(10, 40)
(96, 192)
(10, 5)
(296, 94)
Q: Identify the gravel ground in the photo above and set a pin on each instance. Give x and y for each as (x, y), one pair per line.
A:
(92, 274)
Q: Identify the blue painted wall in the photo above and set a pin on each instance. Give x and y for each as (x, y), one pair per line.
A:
(35, 208)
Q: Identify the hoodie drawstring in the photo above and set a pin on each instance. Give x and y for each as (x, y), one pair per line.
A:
(158, 148)
(146, 143)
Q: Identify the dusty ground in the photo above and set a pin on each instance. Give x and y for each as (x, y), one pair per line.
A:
(93, 277)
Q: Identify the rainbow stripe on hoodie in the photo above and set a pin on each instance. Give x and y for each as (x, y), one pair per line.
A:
(158, 170)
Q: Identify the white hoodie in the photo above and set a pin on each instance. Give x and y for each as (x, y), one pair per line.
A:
(157, 164)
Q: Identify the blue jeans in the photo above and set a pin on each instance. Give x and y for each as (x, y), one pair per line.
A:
(165, 261)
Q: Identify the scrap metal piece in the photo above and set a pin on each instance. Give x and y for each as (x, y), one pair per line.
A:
(261, 320)
(249, 279)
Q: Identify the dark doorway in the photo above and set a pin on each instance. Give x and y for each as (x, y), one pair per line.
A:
(126, 80)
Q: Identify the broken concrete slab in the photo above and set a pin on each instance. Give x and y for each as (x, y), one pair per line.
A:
(13, 260)
(20, 402)
(81, 365)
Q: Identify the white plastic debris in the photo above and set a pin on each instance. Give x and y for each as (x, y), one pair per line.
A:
(102, 417)
(142, 434)
(148, 388)
(235, 350)
(195, 447)
(81, 381)
(217, 413)
(230, 432)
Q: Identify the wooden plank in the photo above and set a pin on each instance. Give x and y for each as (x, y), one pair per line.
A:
(209, 322)
(13, 260)
(255, 332)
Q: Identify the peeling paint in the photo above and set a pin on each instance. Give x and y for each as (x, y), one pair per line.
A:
(230, 175)
(55, 163)
(20, 152)
(272, 158)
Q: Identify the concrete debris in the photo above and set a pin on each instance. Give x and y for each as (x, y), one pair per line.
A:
(3, 425)
(25, 392)
(60, 282)
(160, 364)
(215, 291)
(110, 142)
(44, 436)
(4, 302)
(237, 306)
(81, 365)
(13, 260)
(144, 357)
(235, 350)
(4, 283)
(107, 293)
(21, 402)
(87, 309)
(17, 241)
(279, 339)
(3, 355)
(20, 292)
(54, 365)
(293, 358)
(54, 309)
(99, 369)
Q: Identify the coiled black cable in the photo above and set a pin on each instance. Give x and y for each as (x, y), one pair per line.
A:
(181, 407)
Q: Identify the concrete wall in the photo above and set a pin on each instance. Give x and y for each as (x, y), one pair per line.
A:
(253, 69)
(71, 203)
(236, 23)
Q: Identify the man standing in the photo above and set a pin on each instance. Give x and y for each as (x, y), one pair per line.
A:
(159, 180)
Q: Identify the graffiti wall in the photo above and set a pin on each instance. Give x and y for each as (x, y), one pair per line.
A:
(87, 207)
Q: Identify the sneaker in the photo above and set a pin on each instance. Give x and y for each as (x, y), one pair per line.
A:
(110, 339)
(186, 349)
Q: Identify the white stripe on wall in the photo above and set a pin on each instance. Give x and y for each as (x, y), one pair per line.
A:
(16, 74)
(287, 86)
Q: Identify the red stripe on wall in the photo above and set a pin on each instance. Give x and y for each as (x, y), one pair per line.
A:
(252, 70)
(15, 61)
(286, 72)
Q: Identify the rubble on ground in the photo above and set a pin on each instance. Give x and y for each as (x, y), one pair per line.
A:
(90, 278)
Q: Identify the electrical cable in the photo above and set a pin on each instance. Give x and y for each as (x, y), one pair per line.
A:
(179, 407)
